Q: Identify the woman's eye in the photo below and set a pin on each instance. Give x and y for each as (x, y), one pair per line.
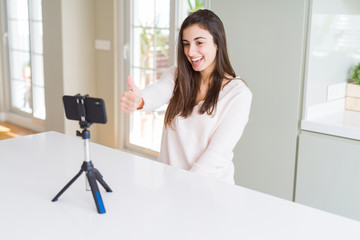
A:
(185, 44)
(199, 43)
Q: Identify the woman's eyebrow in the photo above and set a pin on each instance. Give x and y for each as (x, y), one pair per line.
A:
(197, 38)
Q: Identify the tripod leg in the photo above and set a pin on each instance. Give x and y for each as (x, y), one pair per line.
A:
(95, 191)
(67, 186)
(100, 179)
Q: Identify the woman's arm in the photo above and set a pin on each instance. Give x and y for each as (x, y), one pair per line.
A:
(159, 93)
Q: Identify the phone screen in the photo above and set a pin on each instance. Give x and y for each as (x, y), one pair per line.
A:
(94, 109)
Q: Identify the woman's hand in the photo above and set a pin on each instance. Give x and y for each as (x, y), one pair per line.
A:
(131, 99)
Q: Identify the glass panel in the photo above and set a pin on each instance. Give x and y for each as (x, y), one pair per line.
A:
(19, 35)
(37, 7)
(21, 95)
(17, 9)
(144, 48)
(39, 102)
(144, 13)
(143, 78)
(162, 49)
(20, 65)
(146, 127)
(140, 129)
(150, 48)
(27, 75)
(136, 47)
(334, 49)
(146, 130)
(37, 70)
(37, 37)
(162, 17)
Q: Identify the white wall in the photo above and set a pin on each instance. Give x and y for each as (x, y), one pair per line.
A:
(53, 65)
(266, 44)
(106, 64)
(69, 58)
(78, 32)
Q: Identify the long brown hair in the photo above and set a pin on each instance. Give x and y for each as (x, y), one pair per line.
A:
(187, 81)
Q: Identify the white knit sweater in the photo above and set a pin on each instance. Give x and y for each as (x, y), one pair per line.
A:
(202, 143)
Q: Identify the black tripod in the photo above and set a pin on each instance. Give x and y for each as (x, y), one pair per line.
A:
(80, 108)
(92, 175)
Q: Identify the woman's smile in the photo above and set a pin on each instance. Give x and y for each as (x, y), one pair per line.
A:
(196, 61)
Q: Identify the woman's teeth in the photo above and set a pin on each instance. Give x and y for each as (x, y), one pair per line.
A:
(196, 59)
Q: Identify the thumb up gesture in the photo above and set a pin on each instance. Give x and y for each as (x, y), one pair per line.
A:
(131, 99)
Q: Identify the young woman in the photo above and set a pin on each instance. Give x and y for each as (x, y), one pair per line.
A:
(208, 106)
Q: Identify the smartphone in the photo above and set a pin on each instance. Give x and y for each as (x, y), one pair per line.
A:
(94, 109)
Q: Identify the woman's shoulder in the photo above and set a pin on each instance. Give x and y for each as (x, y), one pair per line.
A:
(171, 71)
(235, 90)
(237, 85)
(168, 75)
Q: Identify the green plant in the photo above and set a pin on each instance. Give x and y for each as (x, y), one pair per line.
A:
(356, 73)
(197, 5)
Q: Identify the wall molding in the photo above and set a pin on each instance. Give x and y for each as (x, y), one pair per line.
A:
(2, 116)
(33, 124)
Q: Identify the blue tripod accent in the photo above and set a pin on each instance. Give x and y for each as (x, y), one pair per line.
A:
(100, 204)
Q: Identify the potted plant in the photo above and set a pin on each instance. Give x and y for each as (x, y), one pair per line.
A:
(356, 73)
(352, 99)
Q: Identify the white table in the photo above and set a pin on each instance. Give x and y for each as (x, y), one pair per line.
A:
(149, 200)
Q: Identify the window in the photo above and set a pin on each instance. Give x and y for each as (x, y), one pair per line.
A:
(24, 57)
(152, 41)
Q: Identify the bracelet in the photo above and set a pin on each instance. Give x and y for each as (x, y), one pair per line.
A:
(141, 104)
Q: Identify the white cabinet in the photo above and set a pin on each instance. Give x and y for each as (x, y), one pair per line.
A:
(328, 174)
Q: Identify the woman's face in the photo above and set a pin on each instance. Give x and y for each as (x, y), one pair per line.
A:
(199, 48)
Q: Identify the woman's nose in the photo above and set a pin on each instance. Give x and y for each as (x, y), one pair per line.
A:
(192, 50)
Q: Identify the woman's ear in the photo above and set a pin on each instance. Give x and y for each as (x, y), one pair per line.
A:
(216, 46)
